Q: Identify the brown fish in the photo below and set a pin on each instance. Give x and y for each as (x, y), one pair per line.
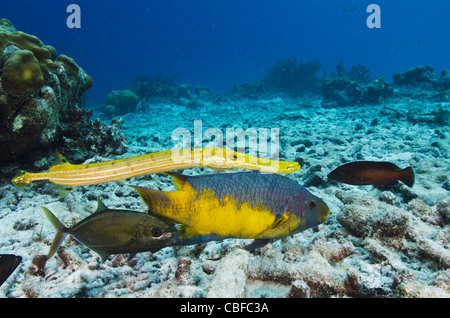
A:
(8, 264)
(372, 173)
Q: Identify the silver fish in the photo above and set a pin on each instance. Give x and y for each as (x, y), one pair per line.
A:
(109, 232)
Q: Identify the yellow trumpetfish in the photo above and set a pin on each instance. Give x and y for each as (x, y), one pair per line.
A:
(71, 175)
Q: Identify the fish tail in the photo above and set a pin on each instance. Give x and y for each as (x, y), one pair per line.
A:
(61, 232)
(408, 176)
(21, 179)
(8, 264)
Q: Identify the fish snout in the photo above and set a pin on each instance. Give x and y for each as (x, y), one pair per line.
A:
(321, 211)
(172, 238)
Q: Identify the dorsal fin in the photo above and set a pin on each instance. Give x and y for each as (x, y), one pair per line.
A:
(60, 160)
(100, 206)
(148, 195)
(178, 179)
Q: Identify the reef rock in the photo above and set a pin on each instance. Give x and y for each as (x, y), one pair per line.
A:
(21, 73)
(185, 91)
(80, 139)
(36, 89)
(342, 91)
(120, 102)
(444, 80)
(416, 75)
(230, 276)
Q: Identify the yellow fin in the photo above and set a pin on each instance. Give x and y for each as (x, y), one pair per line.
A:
(178, 179)
(62, 190)
(181, 228)
(147, 196)
(283, 226)
(60, 160)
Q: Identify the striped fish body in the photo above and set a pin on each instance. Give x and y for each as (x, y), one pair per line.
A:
(239, 205)
(69, 175)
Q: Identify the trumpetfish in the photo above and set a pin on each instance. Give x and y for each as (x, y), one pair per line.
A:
(72, 175)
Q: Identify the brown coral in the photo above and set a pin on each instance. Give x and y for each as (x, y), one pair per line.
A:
(22, 73)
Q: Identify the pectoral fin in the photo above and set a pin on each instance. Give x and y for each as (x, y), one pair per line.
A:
(62, 190)
(283, 226)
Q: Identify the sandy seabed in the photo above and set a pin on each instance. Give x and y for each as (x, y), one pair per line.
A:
(376, 243)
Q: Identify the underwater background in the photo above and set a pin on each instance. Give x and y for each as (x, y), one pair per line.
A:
(222, 43)
(336, 89)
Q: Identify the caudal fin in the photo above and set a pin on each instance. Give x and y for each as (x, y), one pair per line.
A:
(61, 232)
(408, 176)
(8, 264)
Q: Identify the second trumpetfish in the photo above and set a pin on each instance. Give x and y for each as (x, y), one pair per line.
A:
(236, 205)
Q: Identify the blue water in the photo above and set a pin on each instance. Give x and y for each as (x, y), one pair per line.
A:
(219, 43)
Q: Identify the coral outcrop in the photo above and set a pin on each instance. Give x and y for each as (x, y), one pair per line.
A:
(37, 87)
(416, 75)
(354, 87)
(444, 80)
(80, 139)
(156, 88)
(21, 73)
(286, 75)
(120, 102)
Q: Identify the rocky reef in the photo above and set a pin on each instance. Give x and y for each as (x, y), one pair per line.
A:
(416, 76)
(81, 139)
(120, 102)
(38, 96)
(390, 242)
(377, 243)
(354, 87)
(292, 77)
(145, 90)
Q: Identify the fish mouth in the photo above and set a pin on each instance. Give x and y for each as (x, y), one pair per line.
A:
(323, 213)
(172, 239)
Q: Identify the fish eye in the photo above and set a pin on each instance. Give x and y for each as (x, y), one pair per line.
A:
(156, 231)
(312, 204)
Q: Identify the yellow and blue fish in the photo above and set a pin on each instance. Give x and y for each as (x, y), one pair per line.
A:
(248, 205)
